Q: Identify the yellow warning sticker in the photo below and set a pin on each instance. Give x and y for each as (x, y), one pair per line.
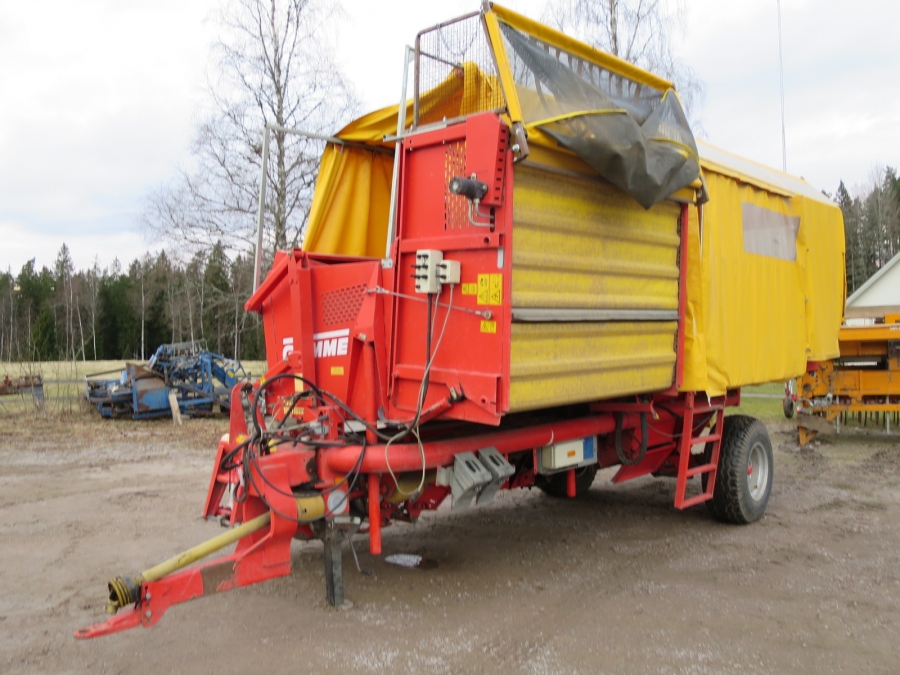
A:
(337, 370)
(484, 289)
(488, 326)
(490, 289)
(296, 411)
(469, 289)
(496, 289)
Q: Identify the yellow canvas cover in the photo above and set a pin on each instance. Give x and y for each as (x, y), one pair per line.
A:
(349, 211)
(755, 315)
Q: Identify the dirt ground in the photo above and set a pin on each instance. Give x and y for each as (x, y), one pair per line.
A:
(617, 582)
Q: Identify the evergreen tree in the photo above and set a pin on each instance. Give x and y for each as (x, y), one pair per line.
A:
(119, 325)
(216, 326)
(43, 336)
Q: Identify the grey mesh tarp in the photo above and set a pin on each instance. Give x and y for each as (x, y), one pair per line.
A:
(636, 137)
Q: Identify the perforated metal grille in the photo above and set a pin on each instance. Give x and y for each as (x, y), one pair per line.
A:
(455, 206)
(455, 72)
(342, 305)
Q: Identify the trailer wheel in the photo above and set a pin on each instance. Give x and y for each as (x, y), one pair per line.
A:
(554, 485)
(788, 406)
(744, 478)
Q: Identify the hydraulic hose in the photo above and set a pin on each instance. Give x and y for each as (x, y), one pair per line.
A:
(626, 461)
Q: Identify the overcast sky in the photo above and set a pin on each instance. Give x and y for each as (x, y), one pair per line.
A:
(100, 98)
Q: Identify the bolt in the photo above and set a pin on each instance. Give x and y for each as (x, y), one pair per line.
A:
(516, 147)
(148, 613)
(147, 595)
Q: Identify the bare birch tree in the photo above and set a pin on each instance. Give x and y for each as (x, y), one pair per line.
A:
(92, 278)
(641, 32)
(274, 64)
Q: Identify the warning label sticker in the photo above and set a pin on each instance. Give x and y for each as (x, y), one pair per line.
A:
(496, 289)
(488, 326)
(490, 289)
(469, 289)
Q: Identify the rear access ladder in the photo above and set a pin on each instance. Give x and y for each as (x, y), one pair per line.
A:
(689, 440)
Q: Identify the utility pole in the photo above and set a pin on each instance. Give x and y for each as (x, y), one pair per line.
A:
(781, 75)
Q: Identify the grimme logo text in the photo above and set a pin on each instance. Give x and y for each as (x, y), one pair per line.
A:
(331, 343)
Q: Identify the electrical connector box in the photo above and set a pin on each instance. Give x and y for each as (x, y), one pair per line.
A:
(562, 455)
(590, 451)
(426, 271)
(448, 272)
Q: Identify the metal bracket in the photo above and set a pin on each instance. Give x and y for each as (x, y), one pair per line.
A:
(520, 142)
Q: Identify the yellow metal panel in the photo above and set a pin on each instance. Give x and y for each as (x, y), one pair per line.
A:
(878, 332)
(557, 363)
(580, 243)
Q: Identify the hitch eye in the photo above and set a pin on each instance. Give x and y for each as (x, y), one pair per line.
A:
(471, 189)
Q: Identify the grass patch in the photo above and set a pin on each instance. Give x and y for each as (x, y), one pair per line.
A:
(762, 402)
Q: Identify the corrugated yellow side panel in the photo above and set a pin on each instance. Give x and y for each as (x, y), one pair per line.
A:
(579, 243)
(557, 363)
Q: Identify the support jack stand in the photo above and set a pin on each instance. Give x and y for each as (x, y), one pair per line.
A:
(335, 531)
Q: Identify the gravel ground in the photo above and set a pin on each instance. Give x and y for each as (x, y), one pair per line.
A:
(615, 582)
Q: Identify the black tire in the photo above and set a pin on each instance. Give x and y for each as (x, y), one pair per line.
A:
(746, 468)
(554, 485)
(788, 406)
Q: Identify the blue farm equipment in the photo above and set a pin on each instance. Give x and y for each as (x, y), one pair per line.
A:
(183, 373)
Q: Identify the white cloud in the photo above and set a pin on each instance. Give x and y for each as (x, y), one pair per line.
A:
(841, 117)
(21, 244)
(97, 109)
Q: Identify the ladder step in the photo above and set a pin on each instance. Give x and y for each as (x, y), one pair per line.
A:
(703, 468)
(696, 499)
(705, 439)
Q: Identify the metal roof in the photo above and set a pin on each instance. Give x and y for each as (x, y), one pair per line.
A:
(873, 279)
(722, 161)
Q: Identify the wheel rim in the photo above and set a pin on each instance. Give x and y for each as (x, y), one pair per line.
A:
(757, 472)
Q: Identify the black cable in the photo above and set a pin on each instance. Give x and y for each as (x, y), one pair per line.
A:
(223, 466)
(323, 394)
(620, 453)
(295, 399)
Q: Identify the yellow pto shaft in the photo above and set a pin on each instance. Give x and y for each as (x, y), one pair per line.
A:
(125, 591)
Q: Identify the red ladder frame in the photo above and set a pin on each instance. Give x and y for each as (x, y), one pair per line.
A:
(688, 441)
